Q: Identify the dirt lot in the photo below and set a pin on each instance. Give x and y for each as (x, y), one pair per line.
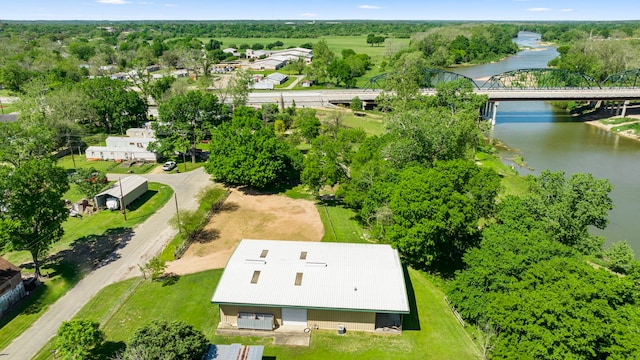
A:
(249, 216)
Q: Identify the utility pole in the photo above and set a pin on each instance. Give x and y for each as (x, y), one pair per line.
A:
(124, 208)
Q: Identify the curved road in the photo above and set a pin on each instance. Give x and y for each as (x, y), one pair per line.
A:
(149, 239)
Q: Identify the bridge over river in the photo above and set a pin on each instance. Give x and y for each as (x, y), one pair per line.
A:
(517, 85)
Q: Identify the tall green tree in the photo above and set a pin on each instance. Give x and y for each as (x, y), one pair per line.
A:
(114, 106)
(570, 206)
(31, 199)
(436, 212)
(248, 152)
(185, 120)
(77, 337)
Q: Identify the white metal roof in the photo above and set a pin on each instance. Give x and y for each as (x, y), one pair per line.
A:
(365, 277)
(129, 184)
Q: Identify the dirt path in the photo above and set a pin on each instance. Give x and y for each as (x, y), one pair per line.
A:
(249, 216)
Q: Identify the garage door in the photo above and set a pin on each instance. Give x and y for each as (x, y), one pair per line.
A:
(294, 317)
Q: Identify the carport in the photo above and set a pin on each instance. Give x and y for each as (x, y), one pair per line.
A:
(126, 190)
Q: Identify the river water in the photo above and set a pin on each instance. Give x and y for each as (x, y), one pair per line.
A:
(550, 139)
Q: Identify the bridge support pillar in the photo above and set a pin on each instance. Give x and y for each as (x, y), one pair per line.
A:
(624, 108)
(494, 111)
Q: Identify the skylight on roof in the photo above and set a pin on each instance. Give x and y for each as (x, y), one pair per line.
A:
(254, 278)
(298, 279)
(303, 255)
(264, 253)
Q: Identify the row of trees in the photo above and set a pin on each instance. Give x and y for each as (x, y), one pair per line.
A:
(158, 339)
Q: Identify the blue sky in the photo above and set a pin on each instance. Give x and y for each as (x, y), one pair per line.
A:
(319, 9)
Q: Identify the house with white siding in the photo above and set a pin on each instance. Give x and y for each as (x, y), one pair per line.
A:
(11, 285)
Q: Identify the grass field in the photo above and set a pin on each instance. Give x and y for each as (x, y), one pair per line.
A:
(340, 224)
(619, 120)
(433, 332)
(86, 241)
(632, 128)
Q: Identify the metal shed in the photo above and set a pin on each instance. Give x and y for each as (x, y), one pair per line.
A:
(126, 190)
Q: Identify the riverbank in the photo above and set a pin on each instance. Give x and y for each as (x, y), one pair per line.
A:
(609, 123)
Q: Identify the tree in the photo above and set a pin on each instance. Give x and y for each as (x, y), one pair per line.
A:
(425, 136)
(307, 124)
(436, 212)
(328, 161)
(89, 181)
(620, 257)
(113, 105)
(322, 58)
(185, 120)
(13, 76)
(237, 89)
(153, 269)
(570, 206)
(31, 199)
(247, 152)
(161, 340)
(77, 337)
(407, 78)
(356, 104)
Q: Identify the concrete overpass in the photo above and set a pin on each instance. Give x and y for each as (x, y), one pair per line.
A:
(318, 98)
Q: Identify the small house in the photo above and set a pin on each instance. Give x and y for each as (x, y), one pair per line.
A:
(126, 190)
(276, 78)
(11, 285)
(269, 284)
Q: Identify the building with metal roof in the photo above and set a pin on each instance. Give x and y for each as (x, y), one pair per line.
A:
(126, 190)
(268, 284)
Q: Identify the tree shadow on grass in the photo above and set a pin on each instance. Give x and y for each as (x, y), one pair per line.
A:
(107, 350)
(410, 321)
(169, 279)
(94, 251)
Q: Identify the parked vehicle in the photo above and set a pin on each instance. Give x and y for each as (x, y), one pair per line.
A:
(169, 165)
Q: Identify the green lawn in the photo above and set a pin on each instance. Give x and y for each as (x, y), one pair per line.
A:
(340, 224)
(86, 241)
(616, 121)
(371, 124)
(80, 161)
(432, 332)
(512, 183)
(633, 128)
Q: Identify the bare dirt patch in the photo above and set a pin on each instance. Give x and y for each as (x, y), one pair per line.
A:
(249, 216)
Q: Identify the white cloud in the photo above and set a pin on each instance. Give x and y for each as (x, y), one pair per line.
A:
(566, 10)
(308, 14)
(369, 7)
(113, 2)
(539, 9)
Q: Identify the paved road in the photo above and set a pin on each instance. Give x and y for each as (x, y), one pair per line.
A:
(148, 240)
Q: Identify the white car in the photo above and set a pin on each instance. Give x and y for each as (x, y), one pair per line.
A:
(169, 165)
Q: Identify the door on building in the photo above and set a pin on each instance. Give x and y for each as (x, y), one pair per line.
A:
(294, 317)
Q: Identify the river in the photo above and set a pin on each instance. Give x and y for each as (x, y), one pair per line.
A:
(550, 139)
